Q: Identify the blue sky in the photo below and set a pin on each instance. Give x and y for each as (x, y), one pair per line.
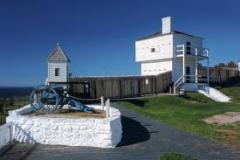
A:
(99, 35)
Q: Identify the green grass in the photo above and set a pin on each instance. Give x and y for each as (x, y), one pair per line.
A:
(194, 96)
(14, 103)
(175, 156)
(187, 114)
(233, 92)
(2, 118)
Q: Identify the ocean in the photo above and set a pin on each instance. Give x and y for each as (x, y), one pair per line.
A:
(15, 92)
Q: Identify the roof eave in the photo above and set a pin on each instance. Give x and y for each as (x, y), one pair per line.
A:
(158, 34)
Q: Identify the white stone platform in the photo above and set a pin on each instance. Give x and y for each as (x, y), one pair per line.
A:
(70, 131)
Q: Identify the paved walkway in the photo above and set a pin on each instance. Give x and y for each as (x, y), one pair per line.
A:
(143, 139)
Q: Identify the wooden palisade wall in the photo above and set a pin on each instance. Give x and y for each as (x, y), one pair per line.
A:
(219, 74)
(120, 87)
(133, 86)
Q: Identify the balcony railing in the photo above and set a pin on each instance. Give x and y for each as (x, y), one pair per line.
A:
(189, 79)
(181, 49)
(195, 79)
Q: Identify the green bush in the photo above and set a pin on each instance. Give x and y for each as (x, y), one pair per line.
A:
(175, 156)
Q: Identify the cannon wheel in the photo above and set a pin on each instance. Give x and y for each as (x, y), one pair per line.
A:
(44, 97)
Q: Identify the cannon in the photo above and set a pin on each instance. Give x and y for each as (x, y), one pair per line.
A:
(52, 98)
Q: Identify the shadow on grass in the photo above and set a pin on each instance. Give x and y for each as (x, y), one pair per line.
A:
(137, 102)
(133, 132)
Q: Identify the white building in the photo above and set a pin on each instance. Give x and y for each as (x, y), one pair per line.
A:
(58, 66)
(239, 65)
(174, 51)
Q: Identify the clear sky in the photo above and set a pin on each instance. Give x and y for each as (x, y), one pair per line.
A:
(99, 35)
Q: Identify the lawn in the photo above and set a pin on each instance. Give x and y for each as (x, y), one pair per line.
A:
(10, 104)
(232, 90)
(187, 114)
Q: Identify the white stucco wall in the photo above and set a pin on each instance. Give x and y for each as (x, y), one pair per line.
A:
(63, 71)
(5, 135)
(164, 59)
(154, 68)
(162, 45)
(71, 131)
(179, 39)
(178, 67)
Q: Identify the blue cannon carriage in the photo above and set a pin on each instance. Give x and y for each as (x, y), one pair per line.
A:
(53, 98)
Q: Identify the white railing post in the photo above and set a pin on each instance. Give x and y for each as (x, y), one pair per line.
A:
(208, 74)
(108, 108)
(196, 51)
(102, 102)
(184, 63)
(196, 65)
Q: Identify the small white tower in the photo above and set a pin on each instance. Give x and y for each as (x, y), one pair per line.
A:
(58, 66)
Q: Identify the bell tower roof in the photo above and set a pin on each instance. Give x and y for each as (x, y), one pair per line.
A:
(58, 55)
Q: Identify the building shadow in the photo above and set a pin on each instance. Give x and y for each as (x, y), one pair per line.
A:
(133, 132)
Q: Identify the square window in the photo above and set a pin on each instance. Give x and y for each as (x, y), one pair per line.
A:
(57, 71)
(153, 50)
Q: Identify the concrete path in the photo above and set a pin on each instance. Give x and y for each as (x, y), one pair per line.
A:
(143, 139)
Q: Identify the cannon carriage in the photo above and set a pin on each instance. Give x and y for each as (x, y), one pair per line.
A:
(52, 98)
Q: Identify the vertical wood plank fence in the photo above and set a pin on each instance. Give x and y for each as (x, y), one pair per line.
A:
(219, 74)
(119, 87)
(135, 86)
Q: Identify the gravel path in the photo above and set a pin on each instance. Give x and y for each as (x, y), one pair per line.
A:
(143, 139)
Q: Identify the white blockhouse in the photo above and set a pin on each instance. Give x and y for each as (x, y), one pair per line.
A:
(239, 65)
(58, 66)
(171, 50)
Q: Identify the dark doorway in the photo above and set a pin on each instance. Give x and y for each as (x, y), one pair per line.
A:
(188, 72)
(86, 90)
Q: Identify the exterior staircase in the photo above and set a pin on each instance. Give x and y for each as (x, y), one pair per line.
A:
(180, 87)
(177, 86)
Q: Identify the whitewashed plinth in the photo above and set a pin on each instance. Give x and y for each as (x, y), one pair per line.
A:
(71, 131)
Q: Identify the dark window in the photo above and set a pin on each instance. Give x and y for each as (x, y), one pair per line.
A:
(188, 47)
(57, 71)
(153, 50)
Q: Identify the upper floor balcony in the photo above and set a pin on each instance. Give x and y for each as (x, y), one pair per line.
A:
(190, 51)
